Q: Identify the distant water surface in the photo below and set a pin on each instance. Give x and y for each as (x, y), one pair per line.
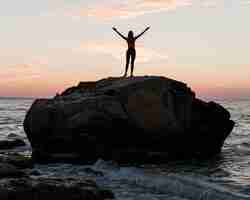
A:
(230, 169)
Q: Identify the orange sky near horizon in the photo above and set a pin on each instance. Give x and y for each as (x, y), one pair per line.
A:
(48, 46)
(47, 84)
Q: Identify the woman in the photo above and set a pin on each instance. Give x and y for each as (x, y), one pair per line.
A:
(131, 53)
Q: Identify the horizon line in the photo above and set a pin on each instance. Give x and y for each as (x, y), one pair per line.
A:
(206, 98)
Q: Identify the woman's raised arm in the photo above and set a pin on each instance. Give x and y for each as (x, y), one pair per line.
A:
(119, 33)
(142, 33)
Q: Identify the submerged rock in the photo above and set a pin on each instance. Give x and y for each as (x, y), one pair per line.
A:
(19, 161)
(11, 143)
(8, 170)
(51, 188)
(126, 119)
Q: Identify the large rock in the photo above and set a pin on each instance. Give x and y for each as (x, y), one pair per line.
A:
(126, 119)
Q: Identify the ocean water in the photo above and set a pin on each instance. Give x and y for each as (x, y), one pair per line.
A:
(230, 169)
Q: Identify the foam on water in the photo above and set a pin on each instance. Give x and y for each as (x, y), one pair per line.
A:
(12, 112)
(136, 183)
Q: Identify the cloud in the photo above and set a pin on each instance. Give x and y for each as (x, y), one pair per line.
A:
(212, 3)
(108, 9)
(36, 68)
(127, 9)
(117, 51)
(245, 2)
(22, 66)
(19, 72)
(209, 4)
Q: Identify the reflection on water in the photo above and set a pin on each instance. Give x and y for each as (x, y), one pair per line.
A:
(12, 112)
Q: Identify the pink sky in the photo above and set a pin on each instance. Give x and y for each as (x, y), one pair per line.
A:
(47, 46)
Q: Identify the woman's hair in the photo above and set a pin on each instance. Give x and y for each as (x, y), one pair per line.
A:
(130, 34)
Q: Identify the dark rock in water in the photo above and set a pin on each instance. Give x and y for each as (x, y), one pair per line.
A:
(13, 135)
(19, 161)
(11, 143)
(108, 194)
(94, 172)
(8, 170)
(126, 119)
(51, 188)
(34, 172)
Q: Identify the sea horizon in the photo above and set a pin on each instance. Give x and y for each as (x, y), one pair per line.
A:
(207, 98)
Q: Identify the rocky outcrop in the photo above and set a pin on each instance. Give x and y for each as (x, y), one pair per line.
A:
(19, 181)
(146, 118)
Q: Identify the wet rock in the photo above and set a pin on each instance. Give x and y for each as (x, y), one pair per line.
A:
(34, 173)
(11, 143)
(126, 119)
(107, 193)
(92, 171)
(19, 161)
(13, 135)
(51, 188)
(8, 170)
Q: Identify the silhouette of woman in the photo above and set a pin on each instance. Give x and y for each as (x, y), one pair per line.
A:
(131, 52)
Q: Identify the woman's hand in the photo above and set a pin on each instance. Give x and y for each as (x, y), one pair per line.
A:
(119, 33)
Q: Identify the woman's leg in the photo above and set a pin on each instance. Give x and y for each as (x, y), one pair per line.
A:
(133, 56)
(127, 62)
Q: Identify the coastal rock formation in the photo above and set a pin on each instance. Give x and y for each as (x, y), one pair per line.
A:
(147, 118)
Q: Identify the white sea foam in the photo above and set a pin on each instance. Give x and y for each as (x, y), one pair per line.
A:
(134, 183)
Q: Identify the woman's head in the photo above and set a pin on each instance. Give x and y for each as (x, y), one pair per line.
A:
(130, 34)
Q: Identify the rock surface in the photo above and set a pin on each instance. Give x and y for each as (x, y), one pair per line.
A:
(51, 188)
(144, 119)
(19, 161)
(8, 170)
(11, 143)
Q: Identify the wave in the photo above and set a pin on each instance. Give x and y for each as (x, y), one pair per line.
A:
(135, 182)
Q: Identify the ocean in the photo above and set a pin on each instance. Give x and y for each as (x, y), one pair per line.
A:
(230, 169)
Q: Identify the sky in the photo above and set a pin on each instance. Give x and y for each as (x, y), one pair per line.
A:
(49, 45)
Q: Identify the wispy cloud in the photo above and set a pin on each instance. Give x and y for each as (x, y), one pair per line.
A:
(117, 51)
(34, 69)
(245, 2)
(111, 9)
(209, 4)
(21, 66)
(127, 9)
